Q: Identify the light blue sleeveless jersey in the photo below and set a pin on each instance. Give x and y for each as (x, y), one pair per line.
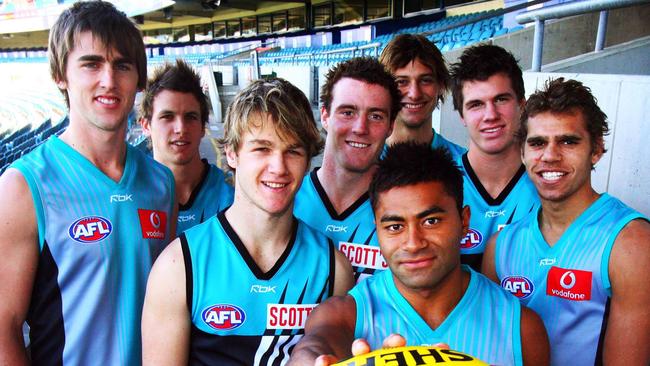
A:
(485, 323)
(489, 215)
(240, 315)
(353, 231)
(212, 195)
(97, 241)
(567, 284)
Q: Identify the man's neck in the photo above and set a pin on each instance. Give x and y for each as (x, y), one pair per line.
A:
(187, 177)
(556, 216)
(495, 170)
(265, 236)
(436, 303)
(104, 149)
(422, 134)
(342, 186)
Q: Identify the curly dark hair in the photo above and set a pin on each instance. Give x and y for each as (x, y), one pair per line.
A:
(365, 69)
(403, 165)
(561, 96)
(480, 62)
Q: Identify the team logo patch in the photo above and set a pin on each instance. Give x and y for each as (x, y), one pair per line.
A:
(473, 239)
(90, 229)
(223, 316)
(153, 223)
(519, 286)
(570, 284)
(365, 256)
(287, 316)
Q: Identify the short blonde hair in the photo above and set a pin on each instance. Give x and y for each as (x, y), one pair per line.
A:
(288, 107)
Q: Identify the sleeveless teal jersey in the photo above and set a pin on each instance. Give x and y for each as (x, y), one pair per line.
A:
(567, 284)
(212, 195)
(353, 231)
(98, 239)
(241, 315)
(485, 323)
(489, 215)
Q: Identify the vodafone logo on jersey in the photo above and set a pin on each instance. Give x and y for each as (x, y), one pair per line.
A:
(153, 223)
(90, 229)
(519, 286)
(363, 255)
(287, 316)
(223, 316)
(473, 239)
(570, 284)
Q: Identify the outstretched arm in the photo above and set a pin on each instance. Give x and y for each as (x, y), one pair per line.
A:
(329, 332)
(165, 316)
(19, 248)
(628, 328)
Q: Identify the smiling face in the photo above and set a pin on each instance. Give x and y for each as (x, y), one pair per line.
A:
(491, 113)
(419, 228)
(357, 124)
(101, 84)
(558, 155)
(175, 128)
(268, 168)
(420, 92)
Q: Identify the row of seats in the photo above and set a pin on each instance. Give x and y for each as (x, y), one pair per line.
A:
(25, 140)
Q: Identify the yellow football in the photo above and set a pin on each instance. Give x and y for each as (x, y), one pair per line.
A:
(412, 356)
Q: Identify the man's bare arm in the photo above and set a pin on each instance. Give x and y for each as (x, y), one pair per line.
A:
(488, 267)
(329, 331)
(344, 279)
(165, 316)
(628, 327)
(19, 248)
(534, 340)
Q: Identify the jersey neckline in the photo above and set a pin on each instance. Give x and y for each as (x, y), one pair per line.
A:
(328, 204)
(481, 189)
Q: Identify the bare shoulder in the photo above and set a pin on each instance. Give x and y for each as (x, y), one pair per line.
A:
(17, 210)
(631, 251)
(534, 340)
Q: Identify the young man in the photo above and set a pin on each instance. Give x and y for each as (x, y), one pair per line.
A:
(174, 112)
(84, 215)
(359, 103)
(580, 260)
(488, 92)
(423, 80)
(237, 289)
(427, 296)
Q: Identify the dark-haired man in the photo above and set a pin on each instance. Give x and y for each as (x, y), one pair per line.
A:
(423, 79)
(84, 215)
(174, 113)
(488, 92)
(359, 102)
(428, 297)
(581, 259)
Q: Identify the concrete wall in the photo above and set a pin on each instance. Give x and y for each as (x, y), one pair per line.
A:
(629, 58)
(624, 171)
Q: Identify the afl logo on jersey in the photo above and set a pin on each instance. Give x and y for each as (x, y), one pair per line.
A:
(473, 239)
(223, 316)
(90, 229)
(519, 286)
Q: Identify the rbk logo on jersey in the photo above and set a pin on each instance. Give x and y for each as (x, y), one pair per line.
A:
(519, 286)
(363, 255)
(473, 239)
(153, 223)
(223, 316)
(570, 284)
(90, 229)
(336, 229)
(283, 316)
